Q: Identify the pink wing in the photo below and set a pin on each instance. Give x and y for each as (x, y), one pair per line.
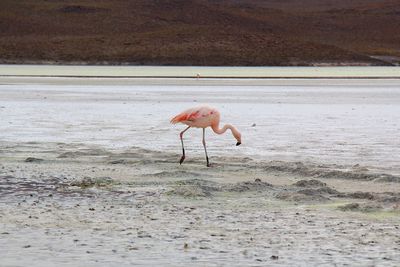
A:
(192, 114)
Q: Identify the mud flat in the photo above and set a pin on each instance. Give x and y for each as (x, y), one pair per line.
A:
(89, 176)
(86, 206)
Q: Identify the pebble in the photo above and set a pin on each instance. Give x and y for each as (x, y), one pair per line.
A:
(32, 159)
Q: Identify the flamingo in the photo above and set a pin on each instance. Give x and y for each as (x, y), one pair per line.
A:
(203, 117)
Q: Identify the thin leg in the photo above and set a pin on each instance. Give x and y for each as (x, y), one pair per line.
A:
(204, 144)
(183, 148)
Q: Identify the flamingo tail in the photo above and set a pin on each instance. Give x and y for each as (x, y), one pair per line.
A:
(179, 118)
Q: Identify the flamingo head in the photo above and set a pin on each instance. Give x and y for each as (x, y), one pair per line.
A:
(238, 137)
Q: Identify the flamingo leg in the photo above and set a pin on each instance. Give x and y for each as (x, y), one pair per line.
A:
(204, 144)
(183, 148)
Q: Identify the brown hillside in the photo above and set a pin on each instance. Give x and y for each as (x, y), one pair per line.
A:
(201, 32)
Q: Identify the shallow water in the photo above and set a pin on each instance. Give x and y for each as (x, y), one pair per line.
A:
(344, 124)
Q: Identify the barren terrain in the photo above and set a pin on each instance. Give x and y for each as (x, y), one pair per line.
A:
(201, 32)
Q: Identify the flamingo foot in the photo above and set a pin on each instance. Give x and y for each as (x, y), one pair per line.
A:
(208, 162)
(182, 159)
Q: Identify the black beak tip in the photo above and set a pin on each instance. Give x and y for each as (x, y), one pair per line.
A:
(238, 144)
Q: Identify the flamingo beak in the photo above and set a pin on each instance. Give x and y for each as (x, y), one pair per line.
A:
(238, 144)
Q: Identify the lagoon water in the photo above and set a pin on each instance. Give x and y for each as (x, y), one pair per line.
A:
(345, 122)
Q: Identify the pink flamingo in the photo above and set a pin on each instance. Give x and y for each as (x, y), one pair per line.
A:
(203, 117)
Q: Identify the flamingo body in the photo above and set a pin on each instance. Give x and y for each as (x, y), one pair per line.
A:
(203, 117)
(197, 117)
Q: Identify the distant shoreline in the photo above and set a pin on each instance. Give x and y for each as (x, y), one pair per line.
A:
(206, 82)
(205, 77)
(199, 72)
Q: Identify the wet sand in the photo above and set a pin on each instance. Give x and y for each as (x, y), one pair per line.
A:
(76, 193)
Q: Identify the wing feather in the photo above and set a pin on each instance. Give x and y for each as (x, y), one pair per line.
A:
(188, 115)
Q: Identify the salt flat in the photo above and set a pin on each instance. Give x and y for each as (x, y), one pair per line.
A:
(328, 122)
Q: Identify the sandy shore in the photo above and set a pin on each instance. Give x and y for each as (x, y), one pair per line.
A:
(89, 175)
(332, 72)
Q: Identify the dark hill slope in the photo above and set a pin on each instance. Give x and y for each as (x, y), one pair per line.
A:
(200, 32)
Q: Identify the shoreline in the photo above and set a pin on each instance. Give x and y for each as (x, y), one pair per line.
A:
(199, 72)
(204, 77)
(183, 81)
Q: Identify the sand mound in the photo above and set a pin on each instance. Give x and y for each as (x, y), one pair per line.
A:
(311, 190)
(300, 197)
(257, 185)
(362, 207)
(175, 173)
(190, 191)
(87, 182)
(194, 188)
(361, 195)
(205, 188)
(84, 153)
(309, 183)
(321, 171)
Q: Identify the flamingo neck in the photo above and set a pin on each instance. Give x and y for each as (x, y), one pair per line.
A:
(223, 129)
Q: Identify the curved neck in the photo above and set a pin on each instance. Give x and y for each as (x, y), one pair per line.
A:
(217, 130)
